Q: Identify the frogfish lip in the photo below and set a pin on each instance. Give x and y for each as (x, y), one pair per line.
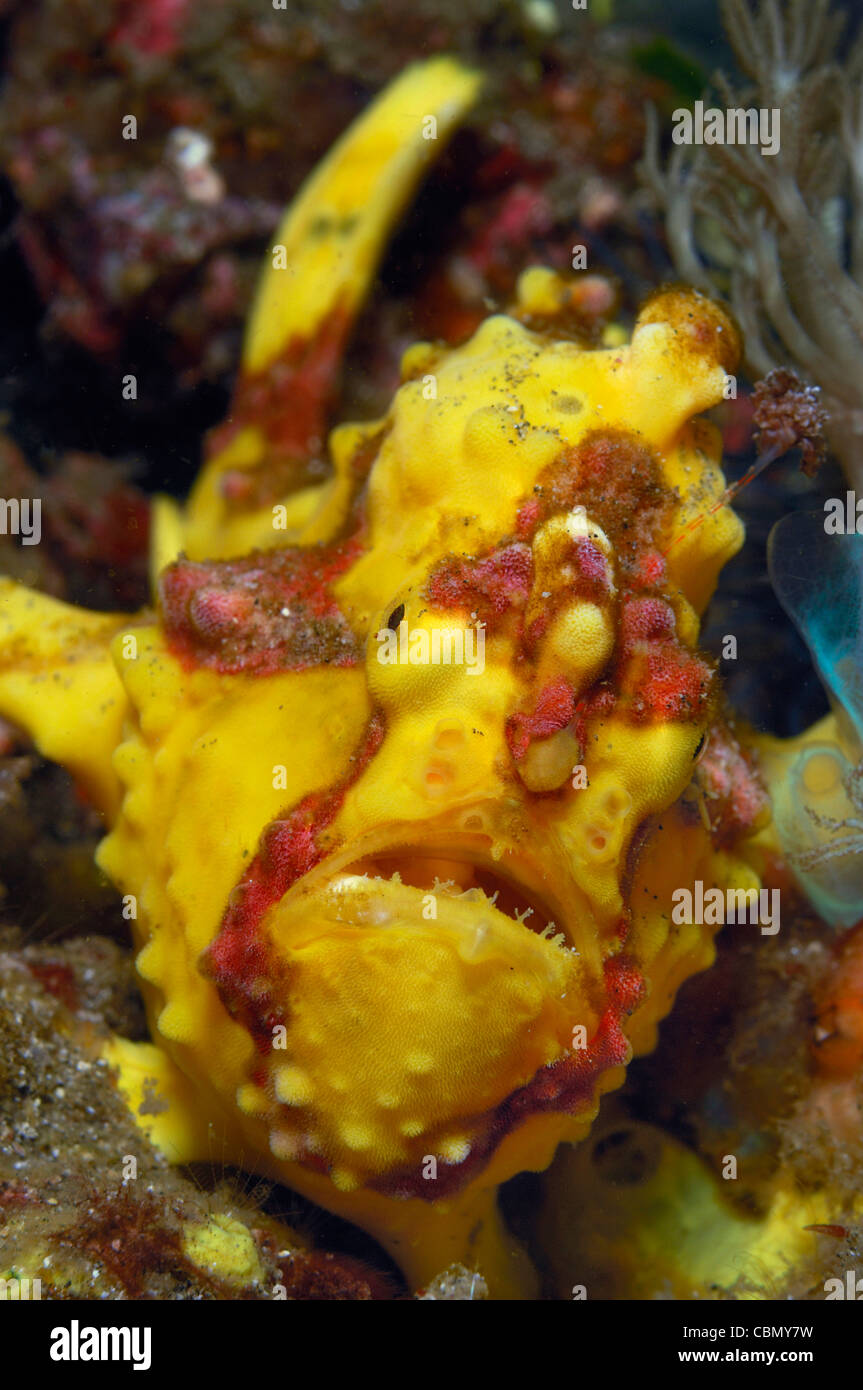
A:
(424, 982)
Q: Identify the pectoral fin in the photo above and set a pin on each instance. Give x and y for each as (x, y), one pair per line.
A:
(58, 681)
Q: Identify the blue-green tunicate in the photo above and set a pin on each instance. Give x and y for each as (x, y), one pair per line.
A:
(818, 806)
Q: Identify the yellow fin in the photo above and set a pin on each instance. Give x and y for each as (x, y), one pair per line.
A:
(334, 232)
(321, 265)
(58, 681)
(164, 1102)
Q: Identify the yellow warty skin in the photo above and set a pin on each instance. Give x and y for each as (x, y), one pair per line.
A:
(412, 1012)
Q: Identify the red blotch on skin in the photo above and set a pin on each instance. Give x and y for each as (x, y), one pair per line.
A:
(675, 686)
(240, 960)
(660, 677)
(619, 482)
(289, 402)
(527, 519)
(581, 571)
(597, 457)
(651, 569)
(489, 586)
(593, 568)
(598, 704)
(553, 710)
(536, 630)
(624, 983)
(216, 613)
(271, 611)
(645, 620)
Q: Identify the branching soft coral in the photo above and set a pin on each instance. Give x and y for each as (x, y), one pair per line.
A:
(781, 236)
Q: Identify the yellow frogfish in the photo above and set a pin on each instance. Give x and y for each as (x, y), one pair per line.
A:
(396, 768)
